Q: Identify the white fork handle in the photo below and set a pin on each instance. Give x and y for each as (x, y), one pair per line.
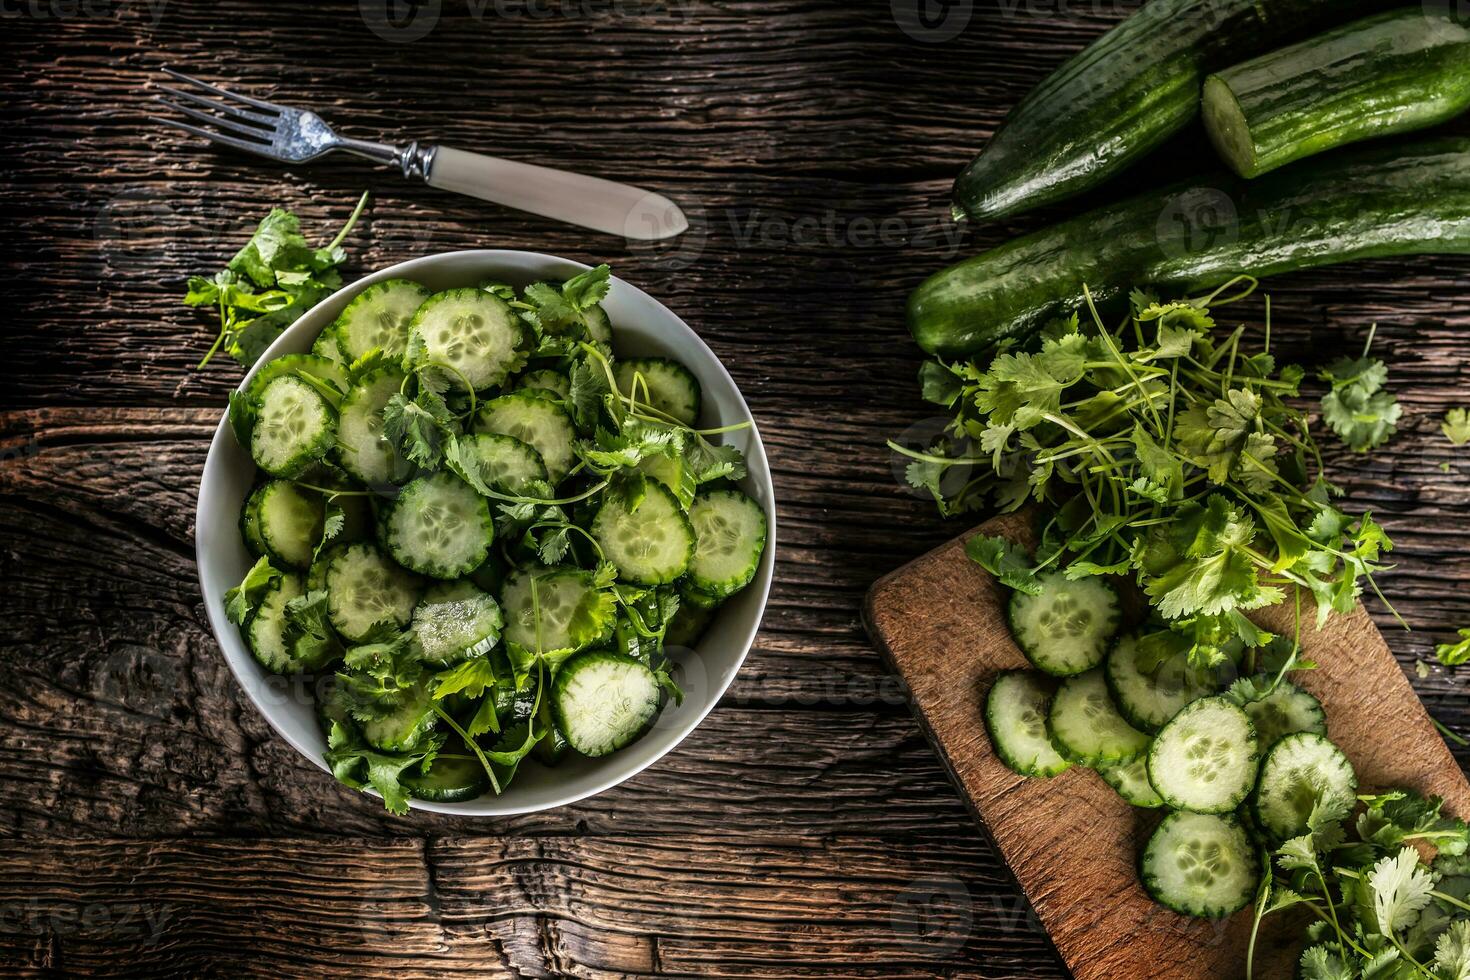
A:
(602, 205)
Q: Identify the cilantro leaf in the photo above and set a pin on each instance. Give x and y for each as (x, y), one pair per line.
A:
(1320, 963)
(420, 427)
(1452, 951)
(1457, 426)
(1201, 563)
(1357, 408)
(938, 384)
(1454, 654)
(1007, 562)
(1400, 887)
(244, 597)
(359, 765)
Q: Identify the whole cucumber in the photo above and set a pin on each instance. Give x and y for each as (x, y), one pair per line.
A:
(1396, 72)
(1374, 202)
(1124, 95)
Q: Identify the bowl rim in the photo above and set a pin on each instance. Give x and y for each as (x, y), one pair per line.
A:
(213, 481)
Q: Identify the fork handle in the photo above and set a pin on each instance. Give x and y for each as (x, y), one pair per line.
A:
(603, 205)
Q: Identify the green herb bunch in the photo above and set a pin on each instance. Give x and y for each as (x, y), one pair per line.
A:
(1163, 450)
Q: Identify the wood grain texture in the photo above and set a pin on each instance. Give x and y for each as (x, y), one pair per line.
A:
(813, 144)
(1071, 841)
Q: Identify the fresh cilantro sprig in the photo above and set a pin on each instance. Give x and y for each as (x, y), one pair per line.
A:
(270, 282)
(1357, 408)
(1162, 449)
(1456, 426)
(1454, 654)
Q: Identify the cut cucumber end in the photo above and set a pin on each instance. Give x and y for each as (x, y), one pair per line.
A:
(1227, 128)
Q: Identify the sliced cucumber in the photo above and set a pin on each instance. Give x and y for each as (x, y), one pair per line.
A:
(604, 701)
(539, 422)
(1285, 711)
(1015, 715)
(362, 448)
(730, 535)
(379, 318)
(1297, 771)
(1085, 725)
(599, 327)
(288, 522)
(650, 545)
(327, 346)
(321, 368)
(267, 628)
(454, 621)
(1131, 782)
(673, 472)
(1204, 760)
(250, 523)
(546, 379)
(455, 776)
(404, 727)
(438, 526)
(690, 595)
(1148, 701)
(552, 747)
(1068, 628)
(294, 427)
(472, 333)
(1201, 865)
(559, 611)
(687, 626)
(365, 589)
(506, 463)
(663, 384)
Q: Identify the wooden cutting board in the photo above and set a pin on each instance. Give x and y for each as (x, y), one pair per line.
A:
(1071, 842)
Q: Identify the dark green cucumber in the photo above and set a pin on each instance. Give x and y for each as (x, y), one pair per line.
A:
(1374, 202)
(1123, 96)
(1392, 73)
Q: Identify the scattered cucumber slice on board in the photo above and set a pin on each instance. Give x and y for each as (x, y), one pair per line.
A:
(1285, 711)
(1366, 203)
(1391, 73)
(365, 588)
(438, 526)
(1066, 630)
(456, 620)
(287, 522)
(1085, 725)
(472, 333)
(1131, 782)
(1297, 771)
(555, 612)
(1148, 701)
(1204, 760)
(730, 538)
(1015, 715)
(1201, 865)
(362, 448)
(650, 545)
(604, 701)
(1121, 97)
(266, 629)
(665, 385)
(378, 318)
(538, 422)
(294, 427)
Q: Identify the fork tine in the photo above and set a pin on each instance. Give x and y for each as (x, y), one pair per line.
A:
(249, 146)
(224, 93)
(222, 122)
(219, 106)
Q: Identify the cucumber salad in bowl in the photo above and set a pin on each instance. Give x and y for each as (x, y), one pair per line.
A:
(486, 536)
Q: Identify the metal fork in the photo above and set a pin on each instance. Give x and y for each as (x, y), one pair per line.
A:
(299, 135)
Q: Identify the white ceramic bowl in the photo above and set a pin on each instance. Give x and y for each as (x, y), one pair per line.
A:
(643, 326)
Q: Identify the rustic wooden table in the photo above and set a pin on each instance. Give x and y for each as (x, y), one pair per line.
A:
(152, 823)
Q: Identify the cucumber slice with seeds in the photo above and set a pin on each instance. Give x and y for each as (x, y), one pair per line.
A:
(1285, 711)
(546, 379)
(321, 368)
(539, 422)
(506, 463)
(365, 588)
(730, 536)
(294, 427)
(455, 621)
(362, 448)
(1131, 782)
(650, 545)
(288, 522)
(1067, 629)
(438, 526)
(1200, 865)
(1148, 701)
(560, 611)
(663, 384)
(604, 701)
(1086, 726)
(1015, 715)
(326, 346)
(1204, 760)
(1297, 771)
(473, 333)
(266, 629)
(379, 317)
